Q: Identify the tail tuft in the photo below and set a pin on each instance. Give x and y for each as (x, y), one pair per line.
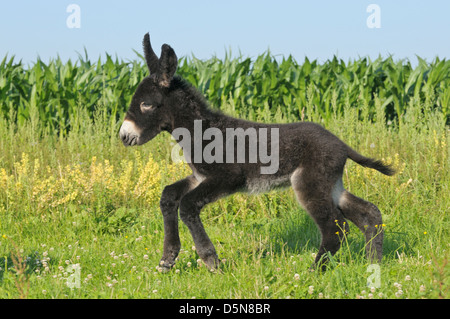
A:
(371, 163)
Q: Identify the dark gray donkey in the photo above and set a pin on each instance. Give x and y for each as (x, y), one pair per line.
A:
(229, 155)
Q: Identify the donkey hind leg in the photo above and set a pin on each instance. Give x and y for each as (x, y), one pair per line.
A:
(318, 202)
(367, 217)
(190, 206)
(170, 200)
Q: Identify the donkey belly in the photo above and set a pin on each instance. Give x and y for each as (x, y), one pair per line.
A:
(266, 183)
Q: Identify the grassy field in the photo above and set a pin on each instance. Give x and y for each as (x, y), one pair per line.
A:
(71, 194)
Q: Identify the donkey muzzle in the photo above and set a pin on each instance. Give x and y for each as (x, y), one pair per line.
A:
(129, 133)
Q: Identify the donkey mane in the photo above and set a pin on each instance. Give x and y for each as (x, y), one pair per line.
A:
(193, 98)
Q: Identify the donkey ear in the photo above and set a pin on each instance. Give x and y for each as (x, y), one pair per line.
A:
(167, 64)
(150, 56)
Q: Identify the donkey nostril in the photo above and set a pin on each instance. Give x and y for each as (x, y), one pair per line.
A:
(125, 138)
(129, 139)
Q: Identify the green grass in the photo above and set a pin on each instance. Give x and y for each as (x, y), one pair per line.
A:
(52, 215)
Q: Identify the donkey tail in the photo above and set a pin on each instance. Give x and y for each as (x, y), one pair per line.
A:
(370, 162)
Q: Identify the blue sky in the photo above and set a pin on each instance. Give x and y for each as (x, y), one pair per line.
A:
(316, 29)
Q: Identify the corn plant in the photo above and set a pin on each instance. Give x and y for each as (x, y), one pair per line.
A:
(266, 88)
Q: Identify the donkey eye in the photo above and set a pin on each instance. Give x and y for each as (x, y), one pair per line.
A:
(145, 107)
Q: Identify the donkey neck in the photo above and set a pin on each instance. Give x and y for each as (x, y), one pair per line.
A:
(194, 107)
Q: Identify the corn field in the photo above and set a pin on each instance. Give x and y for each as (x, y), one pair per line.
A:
(262, 88)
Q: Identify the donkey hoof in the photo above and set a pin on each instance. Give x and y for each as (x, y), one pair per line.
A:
(165, 270)
(212, 262)
(165, 266)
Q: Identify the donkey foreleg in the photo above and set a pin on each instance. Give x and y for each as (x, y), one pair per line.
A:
(191, 204)
(169, 203)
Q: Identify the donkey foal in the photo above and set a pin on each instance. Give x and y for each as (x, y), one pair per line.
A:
(302, 155)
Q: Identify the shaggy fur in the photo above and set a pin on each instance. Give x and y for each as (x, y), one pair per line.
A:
(311, 160)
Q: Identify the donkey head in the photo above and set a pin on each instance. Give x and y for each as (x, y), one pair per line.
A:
(149, 112)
